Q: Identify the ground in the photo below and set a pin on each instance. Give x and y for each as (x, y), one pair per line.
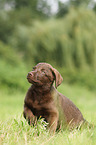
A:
(15, 130)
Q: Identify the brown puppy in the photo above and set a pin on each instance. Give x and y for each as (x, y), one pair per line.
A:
(42, 99)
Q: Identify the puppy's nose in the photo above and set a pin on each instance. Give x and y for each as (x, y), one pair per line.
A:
(30, 74)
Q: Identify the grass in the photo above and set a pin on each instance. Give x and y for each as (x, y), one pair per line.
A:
(15, 130)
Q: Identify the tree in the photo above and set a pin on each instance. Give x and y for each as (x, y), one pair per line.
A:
(39, 8)
(79, 2)
(63, 7)
(94, 8)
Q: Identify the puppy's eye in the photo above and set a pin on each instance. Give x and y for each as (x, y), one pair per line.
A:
(43, 70)
(34, 68)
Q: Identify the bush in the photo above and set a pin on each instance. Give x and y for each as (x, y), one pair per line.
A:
(12, 70)
(6, 26)
(68, 42)
(81, 78)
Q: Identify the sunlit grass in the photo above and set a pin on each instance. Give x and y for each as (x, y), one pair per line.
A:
(15, 130)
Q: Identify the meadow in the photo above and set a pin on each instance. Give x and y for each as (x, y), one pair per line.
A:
(15, 130)
(66, 40)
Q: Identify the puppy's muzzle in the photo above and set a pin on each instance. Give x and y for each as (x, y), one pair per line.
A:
(30, 74)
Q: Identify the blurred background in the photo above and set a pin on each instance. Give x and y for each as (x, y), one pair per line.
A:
(59, 32)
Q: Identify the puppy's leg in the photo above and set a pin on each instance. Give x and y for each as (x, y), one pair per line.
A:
(28, 115)
(53, 120)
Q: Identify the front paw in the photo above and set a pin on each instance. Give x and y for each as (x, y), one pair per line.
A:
(32, 121)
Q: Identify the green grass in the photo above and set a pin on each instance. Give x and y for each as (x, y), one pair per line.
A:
(15, 130)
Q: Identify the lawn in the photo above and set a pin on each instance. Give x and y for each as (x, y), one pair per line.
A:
(15, 130)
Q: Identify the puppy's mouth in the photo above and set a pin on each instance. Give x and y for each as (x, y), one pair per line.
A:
(35, 82)
(30, 80)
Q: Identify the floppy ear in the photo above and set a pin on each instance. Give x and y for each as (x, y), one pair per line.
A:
(58, 77)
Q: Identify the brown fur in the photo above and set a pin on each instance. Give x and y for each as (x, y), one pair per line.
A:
(42, 99)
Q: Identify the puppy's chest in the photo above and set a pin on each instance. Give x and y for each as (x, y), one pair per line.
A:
(39, 101)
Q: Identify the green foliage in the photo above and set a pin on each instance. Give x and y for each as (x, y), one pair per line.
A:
(94, 8)
(13, 77)
(80, 2)
(68, 42)
(21, 16)
(81, 78)
(39, 9)
(63, 9)
(6, 26)
(36, 6)
(12, 69)
(8, 54)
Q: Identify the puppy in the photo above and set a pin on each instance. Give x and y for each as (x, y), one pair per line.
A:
(42, 99)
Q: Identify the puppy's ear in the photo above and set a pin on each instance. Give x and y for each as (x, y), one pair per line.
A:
(58, 77)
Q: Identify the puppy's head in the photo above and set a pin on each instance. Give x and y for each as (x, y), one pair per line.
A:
(44, 74)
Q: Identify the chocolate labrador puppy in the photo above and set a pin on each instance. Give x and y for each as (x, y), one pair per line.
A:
(42, 99)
